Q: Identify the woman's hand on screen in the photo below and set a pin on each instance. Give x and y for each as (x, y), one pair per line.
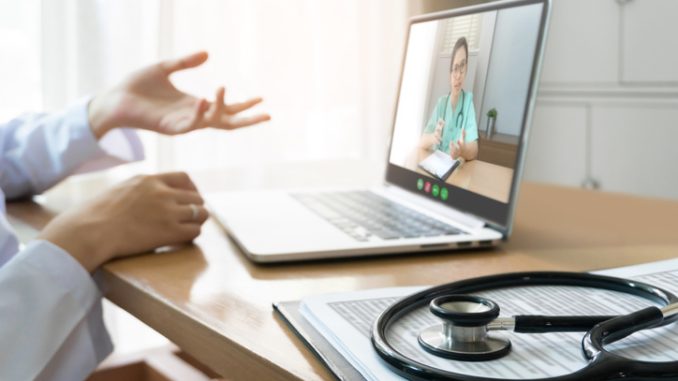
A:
(429, 140)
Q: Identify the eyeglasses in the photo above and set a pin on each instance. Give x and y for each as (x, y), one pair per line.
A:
(459, 68)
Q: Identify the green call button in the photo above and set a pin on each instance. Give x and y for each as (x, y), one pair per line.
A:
(444, 194)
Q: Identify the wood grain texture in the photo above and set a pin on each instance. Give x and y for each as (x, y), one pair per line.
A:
(216, 305)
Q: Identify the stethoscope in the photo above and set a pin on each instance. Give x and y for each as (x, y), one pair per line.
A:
(467, 322)
(459, 121)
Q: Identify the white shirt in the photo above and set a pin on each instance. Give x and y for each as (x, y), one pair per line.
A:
(51, 325)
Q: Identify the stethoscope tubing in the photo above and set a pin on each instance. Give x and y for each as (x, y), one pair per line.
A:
(603, 365)
(614, 367)
(461, 114)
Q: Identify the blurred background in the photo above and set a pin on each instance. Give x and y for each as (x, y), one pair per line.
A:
(606, 114)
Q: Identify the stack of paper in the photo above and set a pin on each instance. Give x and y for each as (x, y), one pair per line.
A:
(345, 320)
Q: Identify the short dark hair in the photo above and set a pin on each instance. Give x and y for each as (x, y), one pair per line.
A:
(461, 43)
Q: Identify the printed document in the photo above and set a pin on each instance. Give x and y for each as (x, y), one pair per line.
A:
(345, 320)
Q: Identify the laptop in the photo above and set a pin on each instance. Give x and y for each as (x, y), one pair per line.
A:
(467, 91)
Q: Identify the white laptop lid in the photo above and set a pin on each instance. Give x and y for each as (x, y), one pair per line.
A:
(483, 96)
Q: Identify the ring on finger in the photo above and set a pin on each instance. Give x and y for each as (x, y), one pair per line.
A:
(195, 212)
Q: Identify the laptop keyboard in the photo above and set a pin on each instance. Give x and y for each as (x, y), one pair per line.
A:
(365, 215)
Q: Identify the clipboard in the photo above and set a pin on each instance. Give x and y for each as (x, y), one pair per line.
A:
(321, 348)
(439, 165)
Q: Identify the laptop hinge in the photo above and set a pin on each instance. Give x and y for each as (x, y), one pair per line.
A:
(467, 220)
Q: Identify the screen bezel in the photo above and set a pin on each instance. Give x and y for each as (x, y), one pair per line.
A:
(496, 214)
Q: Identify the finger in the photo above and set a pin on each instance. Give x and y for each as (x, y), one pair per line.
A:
(196, 214)
(187, 197)
(239, 107)
(181, 123)
(179, 180)
(230, 123)
(198, 116)
(186, 62)
(217, 108)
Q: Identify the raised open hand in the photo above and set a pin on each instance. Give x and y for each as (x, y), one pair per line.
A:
(458, 148)
(147, 99)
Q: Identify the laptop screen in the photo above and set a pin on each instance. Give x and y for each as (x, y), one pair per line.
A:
(464, 105)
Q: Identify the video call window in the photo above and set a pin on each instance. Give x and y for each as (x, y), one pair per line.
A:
(463, 98)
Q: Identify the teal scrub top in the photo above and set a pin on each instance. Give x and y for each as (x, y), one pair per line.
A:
(464, 116)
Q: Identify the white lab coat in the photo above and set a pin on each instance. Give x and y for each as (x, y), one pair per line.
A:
(51, 325)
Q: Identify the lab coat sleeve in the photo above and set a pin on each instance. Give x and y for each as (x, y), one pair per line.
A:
(46, 302)
(39, 150)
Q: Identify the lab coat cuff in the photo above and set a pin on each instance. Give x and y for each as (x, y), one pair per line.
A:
(116, 147)
(63, 270)
(123, 144)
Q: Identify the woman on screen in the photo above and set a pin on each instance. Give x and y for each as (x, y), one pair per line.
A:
(452, 126)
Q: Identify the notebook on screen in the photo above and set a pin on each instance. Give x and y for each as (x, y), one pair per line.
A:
(439, 164)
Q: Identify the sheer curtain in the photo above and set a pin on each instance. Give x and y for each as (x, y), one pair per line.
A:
(88, 45)
(327, 70)
(19, 57)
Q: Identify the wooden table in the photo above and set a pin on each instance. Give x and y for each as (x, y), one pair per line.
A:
(488, 179)
(216, 305)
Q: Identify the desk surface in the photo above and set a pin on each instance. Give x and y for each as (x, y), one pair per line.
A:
(487, 179)
(216, 305)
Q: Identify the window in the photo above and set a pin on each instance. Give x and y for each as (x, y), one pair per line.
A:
(462, 26)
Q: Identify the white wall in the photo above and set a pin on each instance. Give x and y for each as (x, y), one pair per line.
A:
(484, 45)
(510, 66)
(607, 112)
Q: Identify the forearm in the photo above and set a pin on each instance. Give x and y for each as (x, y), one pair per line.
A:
(88, 247)
(98, 118)
(102, 112)
(85, 233)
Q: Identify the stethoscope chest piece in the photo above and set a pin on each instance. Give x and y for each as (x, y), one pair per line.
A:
(463, 335)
